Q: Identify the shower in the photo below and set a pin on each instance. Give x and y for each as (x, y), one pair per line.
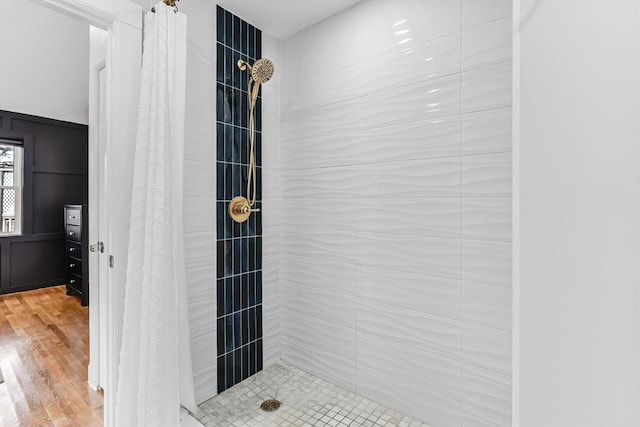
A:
(262, 70)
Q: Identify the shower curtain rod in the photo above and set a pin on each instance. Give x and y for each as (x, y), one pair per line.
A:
(170, 3)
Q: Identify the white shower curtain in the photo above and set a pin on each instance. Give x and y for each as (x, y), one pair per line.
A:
(155, 373)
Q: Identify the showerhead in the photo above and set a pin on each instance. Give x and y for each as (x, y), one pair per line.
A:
(262, 70)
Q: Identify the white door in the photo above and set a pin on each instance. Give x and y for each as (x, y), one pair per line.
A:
(98, 268)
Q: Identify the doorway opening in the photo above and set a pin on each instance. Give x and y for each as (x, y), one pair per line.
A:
(119, 77)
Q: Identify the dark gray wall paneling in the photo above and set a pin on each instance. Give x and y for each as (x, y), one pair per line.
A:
(56, 146)
(52, 190)
(34, 262)
(55, 174)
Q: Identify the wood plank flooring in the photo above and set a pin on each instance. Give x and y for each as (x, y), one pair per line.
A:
(44, 353)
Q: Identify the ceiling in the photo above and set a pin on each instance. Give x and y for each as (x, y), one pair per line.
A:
(284, 18)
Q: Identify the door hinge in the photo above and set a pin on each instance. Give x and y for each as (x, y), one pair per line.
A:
(111, 261)
(97, 247)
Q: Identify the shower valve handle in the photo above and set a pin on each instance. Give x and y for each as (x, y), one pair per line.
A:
(240, 209)
(247, 209)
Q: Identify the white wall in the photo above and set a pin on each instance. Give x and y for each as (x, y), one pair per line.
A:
(579, 195)
(271, 205)
(200, 196)
(395, 183)
(45, 56)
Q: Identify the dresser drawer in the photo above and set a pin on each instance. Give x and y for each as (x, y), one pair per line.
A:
(74, 250)
(73, 233)
(73, 216)
(74, 266)
(75, 282)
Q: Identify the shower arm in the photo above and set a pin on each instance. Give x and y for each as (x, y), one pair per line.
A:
(244, 65)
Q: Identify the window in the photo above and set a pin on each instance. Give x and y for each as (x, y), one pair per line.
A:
(10, 189)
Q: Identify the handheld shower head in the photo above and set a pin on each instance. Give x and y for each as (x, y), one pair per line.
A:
(261, 72)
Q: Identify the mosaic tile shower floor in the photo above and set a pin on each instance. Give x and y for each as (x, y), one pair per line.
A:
(306, 401)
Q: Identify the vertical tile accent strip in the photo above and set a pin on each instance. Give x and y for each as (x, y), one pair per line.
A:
(239, 246)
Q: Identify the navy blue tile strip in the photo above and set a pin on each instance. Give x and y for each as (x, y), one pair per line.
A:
(239, 246)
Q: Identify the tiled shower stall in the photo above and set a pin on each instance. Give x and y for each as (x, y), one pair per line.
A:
(385, 235)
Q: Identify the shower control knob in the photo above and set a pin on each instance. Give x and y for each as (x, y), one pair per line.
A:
(240, 209)
(246, 209)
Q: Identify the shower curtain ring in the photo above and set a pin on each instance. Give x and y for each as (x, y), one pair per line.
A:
(170, 3)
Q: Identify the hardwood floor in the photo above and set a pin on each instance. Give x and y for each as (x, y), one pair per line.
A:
(44, 352)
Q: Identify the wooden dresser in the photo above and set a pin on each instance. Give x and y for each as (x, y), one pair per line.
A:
(76, 235)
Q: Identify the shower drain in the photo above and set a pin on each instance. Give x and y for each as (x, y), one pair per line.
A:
(270, 405)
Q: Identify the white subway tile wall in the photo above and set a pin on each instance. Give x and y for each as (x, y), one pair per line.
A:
(393, 269)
